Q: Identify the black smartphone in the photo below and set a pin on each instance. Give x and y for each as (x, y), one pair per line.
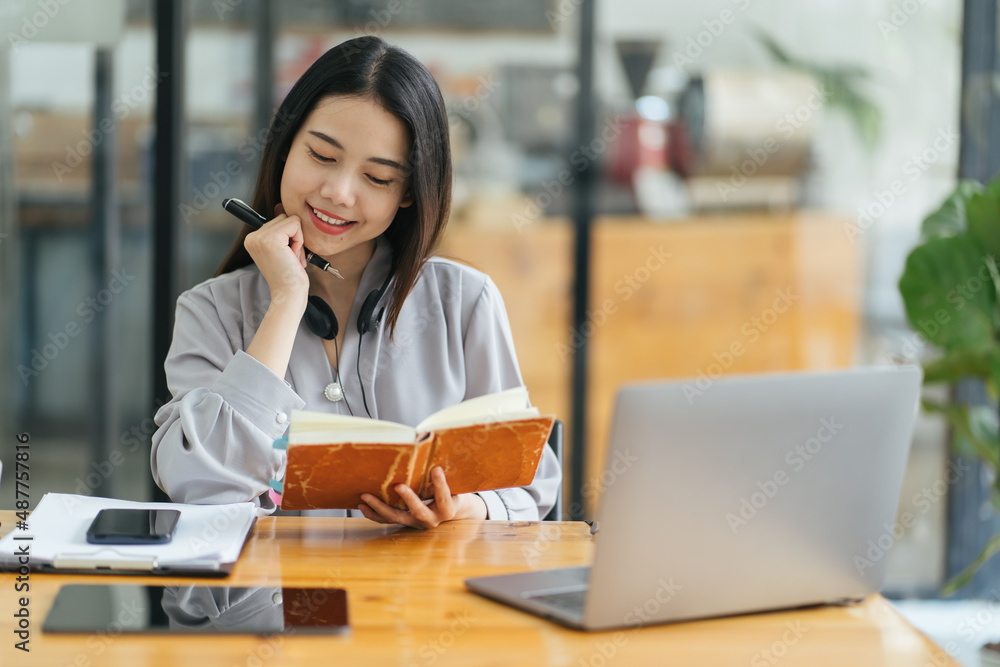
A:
(133, 526)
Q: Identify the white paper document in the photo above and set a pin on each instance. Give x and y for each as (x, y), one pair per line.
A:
(208, 538)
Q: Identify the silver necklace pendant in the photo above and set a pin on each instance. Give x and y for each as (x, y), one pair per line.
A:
(334, 392)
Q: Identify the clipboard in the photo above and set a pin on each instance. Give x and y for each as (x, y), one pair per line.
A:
(207, 541)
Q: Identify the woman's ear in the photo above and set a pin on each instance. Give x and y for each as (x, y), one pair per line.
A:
(407, 199)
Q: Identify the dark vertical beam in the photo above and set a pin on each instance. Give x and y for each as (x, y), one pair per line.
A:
(969, 528)
(32, 257)
(265, 31)
(10, 260)
(105, 255)
(583, 216)
(167, 174)
(979, 145)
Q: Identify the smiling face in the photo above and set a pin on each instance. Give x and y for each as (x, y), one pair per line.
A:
(345, 178)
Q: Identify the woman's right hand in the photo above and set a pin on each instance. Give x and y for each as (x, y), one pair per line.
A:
(278, 250)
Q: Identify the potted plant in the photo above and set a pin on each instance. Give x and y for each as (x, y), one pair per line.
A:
(950, 287)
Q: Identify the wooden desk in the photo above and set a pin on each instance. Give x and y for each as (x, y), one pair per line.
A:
(408, 606)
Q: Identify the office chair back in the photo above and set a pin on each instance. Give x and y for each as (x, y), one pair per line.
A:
(556, 443)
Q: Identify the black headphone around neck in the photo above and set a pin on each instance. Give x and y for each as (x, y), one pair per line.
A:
(367, 319)
(321, 320)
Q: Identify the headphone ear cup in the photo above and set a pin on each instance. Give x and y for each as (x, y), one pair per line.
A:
(320, 319)
(367, 320)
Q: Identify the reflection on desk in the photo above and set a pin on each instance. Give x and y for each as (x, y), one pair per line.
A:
(409, 606)
(118, 608)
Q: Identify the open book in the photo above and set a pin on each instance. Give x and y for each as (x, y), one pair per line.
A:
(484, 443)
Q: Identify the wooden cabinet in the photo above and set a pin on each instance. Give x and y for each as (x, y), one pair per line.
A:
(699, 297)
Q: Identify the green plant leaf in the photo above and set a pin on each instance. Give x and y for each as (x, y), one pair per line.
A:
(957, 365)
(949, 287)
(864, 114)
(965, 576)
(983, 213)
(945, 300)
(982, 425)
(990, 263)
(964, 447)
(974, 428)
(949, 219)
(993, 379)
(778, 53)
(839, 83)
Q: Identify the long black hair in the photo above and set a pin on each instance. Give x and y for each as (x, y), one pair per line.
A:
(369, 67)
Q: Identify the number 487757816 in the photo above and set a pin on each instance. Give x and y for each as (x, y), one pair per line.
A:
(22, 477)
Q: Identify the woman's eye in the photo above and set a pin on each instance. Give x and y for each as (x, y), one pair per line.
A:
(321, 158)
(379, 181)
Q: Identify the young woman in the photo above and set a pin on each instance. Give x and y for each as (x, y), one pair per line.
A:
(357, 168)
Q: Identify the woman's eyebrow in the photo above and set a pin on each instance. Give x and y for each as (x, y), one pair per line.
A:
(336, 144)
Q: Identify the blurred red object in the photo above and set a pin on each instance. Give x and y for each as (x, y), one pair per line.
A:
(641, 143)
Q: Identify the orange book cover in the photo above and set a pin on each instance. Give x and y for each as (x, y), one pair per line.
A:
(489, 442)
(483, 457)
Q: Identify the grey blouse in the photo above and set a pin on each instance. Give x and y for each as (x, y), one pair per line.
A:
(214, 443)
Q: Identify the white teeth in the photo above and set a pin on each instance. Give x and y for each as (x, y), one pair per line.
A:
(328, 220)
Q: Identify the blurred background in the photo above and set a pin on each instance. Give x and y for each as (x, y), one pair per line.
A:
(661, 189)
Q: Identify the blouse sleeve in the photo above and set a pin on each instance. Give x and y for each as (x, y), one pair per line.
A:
(491, 366)
(215, 436)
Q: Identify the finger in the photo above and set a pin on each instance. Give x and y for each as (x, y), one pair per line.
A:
(419, 509)
(442, 494)
(290, 229)
(390, 514)
(288, 224)
(297, 242)
(371, 514)
(376, 505)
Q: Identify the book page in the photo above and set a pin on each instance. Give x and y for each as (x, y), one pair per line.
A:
(508, 405)
(319, 428)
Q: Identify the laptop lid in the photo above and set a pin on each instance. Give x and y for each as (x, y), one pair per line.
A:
(749, 493)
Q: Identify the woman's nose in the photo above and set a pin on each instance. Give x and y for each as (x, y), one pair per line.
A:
(339, 189)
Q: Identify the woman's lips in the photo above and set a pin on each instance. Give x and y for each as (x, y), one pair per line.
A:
(334, 227)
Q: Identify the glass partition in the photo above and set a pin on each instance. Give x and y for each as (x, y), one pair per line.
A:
(747, 153)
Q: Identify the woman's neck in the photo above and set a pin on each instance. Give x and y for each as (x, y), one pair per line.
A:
(350, 264)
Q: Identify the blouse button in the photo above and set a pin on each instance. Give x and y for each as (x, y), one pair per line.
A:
(334, 392)
(281, 418)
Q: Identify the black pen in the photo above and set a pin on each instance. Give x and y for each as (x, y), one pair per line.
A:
(247, 215)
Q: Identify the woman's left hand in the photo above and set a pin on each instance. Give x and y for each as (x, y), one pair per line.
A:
(444, 507)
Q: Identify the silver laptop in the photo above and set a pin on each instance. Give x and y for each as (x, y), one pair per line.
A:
(744, 494)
